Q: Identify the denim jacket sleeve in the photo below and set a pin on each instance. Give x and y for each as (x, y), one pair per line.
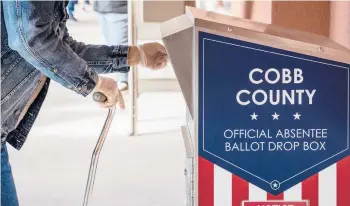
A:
(31, 34)
(102, 58)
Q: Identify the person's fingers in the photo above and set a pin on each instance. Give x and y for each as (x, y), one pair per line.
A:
(160, 61)
(160, 65)
(153, 55)
(161, 48)
(167, 58)
(111, 102)
(107, 87)
(107, 104)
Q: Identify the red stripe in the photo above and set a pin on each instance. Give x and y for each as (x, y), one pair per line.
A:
(205, 182)
(343, 182)
(310, 190)
(240, 190)
(275, 197)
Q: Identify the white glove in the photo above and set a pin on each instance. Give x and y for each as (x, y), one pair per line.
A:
(151, 55)
(109, 88)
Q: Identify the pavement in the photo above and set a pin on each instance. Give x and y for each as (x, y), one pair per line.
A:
(142, 170)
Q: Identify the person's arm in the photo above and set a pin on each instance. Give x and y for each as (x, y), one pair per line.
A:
(30, 33)
(102, 58)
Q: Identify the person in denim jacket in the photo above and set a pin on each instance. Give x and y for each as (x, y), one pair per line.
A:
(36, 48)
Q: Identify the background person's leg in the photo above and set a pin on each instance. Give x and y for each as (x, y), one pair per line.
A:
(70, 7)
(104, 26)
(8, 189)
(115, 31)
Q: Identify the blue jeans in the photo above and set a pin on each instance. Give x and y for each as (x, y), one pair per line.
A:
(8, 189)
(115, 31)
(71, 5)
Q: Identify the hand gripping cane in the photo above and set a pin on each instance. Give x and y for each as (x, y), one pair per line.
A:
(98, 97)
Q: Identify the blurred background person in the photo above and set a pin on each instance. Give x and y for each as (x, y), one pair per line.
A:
(71, 8)
(218, 6)
(113, 18)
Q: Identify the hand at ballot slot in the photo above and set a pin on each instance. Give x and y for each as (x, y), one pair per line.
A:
(151, 55)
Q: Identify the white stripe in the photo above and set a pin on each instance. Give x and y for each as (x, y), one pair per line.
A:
(327, 188)
(256, 194)
(293, 193)
(222, 187)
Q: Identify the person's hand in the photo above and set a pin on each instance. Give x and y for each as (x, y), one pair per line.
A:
(151, 55)
(109, 88)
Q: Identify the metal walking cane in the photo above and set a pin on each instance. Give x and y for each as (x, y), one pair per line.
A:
(98, 97)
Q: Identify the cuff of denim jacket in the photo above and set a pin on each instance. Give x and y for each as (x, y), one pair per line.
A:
(120, 56)
(90, 80)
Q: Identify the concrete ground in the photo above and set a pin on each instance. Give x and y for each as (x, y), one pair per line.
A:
(143, 170)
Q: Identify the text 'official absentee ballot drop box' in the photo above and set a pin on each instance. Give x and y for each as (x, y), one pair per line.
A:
(268, 112)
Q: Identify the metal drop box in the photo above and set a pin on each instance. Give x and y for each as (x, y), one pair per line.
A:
(249, 87)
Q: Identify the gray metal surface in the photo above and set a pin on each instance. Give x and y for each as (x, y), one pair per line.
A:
(177, 38)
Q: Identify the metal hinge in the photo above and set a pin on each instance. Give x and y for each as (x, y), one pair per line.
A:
(189, 169)
(192, 182)
(189, 174)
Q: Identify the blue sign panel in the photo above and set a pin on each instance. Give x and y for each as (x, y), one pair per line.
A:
(272, 117)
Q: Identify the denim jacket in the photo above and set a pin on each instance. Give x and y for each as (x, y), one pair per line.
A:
(36, 42)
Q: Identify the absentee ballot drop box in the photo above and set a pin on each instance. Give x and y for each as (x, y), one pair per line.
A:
(268, 112)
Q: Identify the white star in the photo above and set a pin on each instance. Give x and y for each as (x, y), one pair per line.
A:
(297, 116)
(275, 185)
(275, 116)
(254, 116)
